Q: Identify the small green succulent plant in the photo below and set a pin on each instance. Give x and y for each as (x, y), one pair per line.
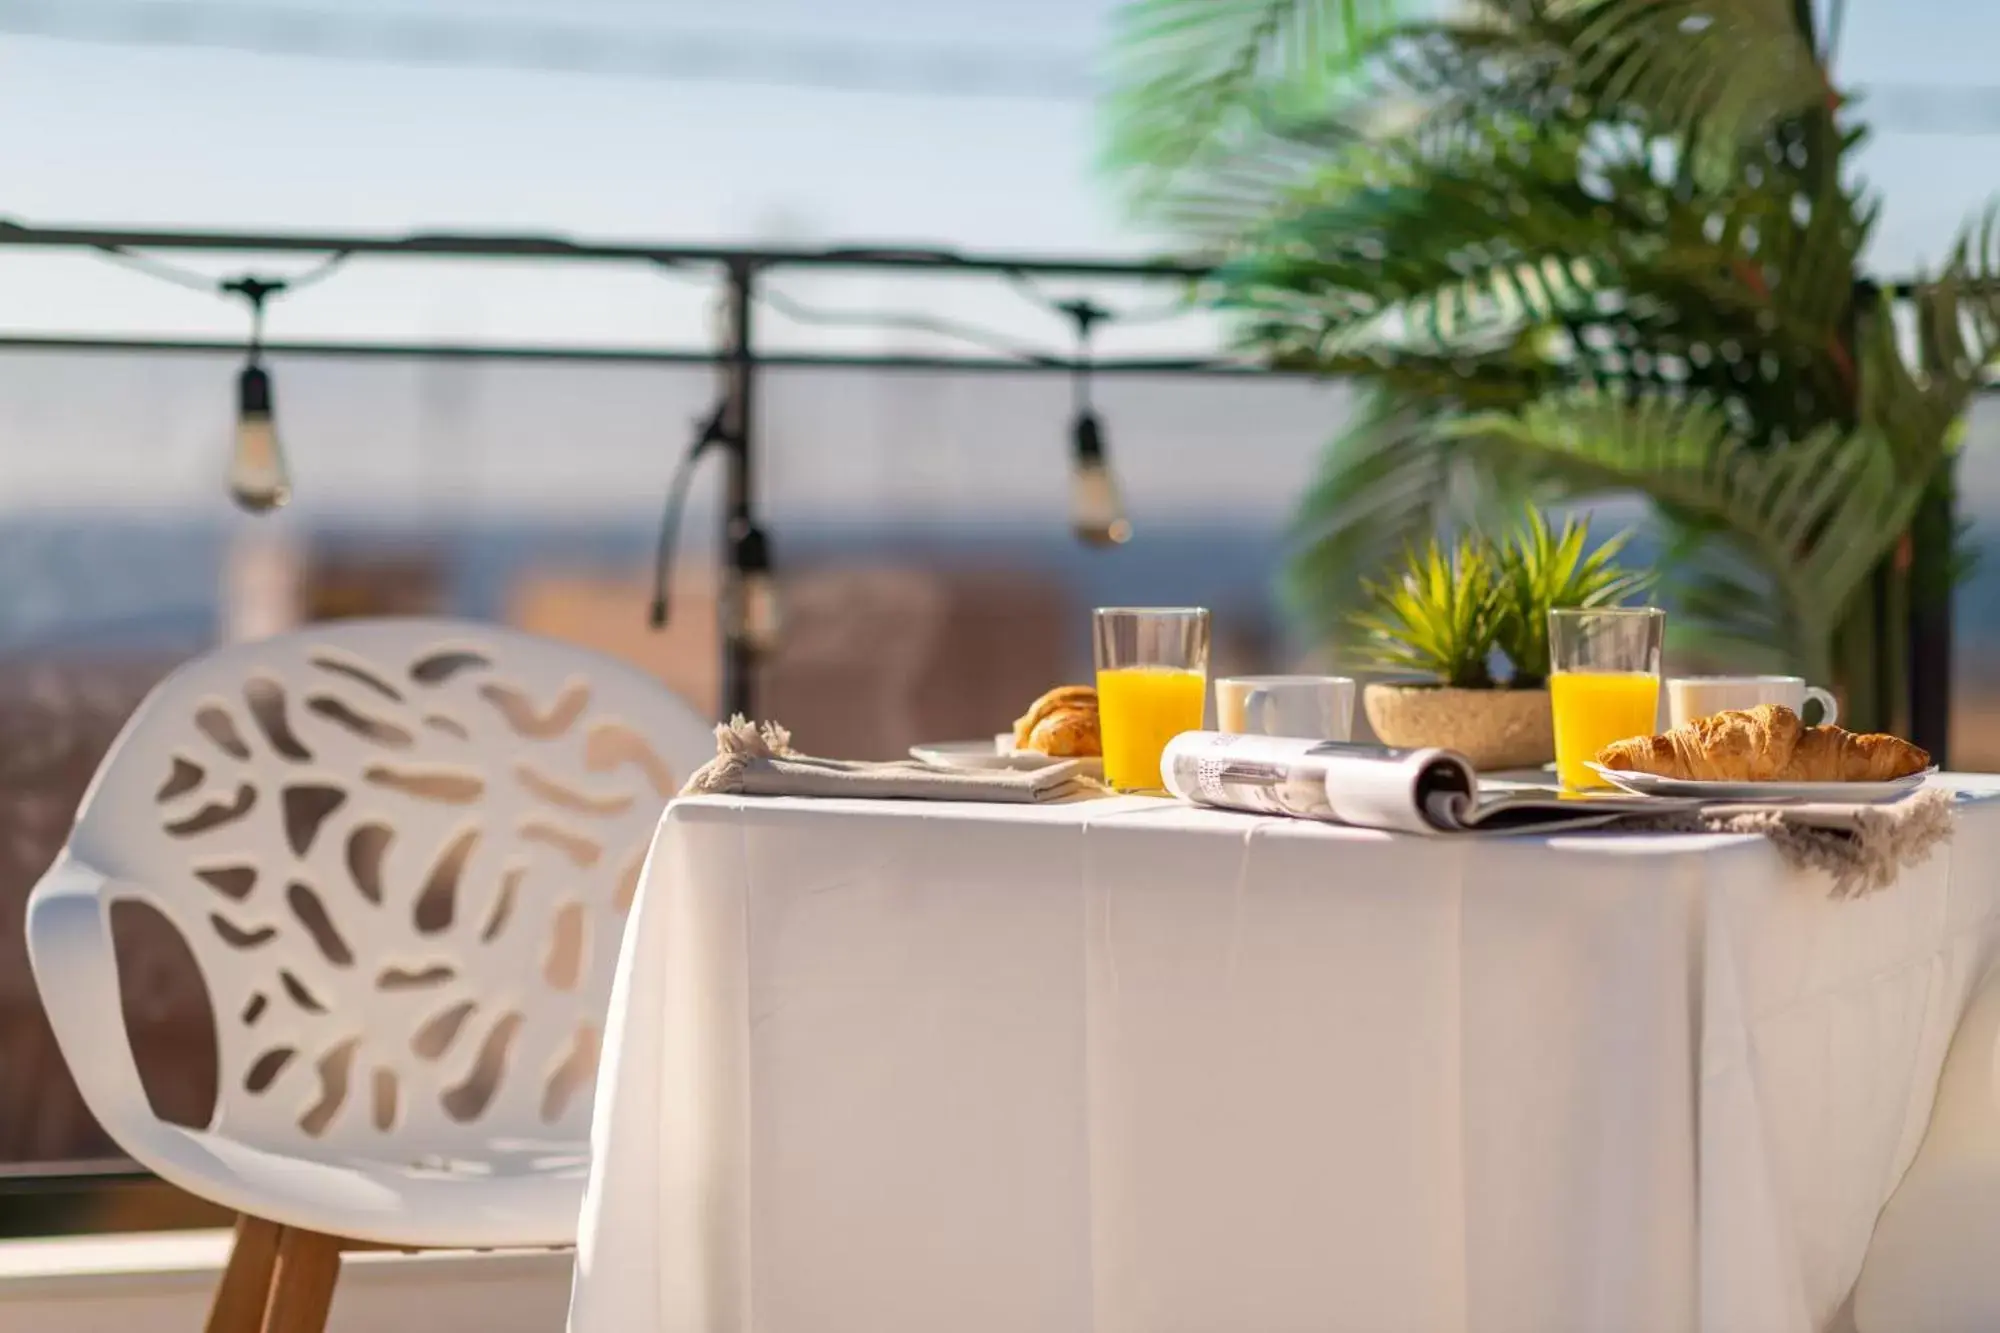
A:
(1447, 611)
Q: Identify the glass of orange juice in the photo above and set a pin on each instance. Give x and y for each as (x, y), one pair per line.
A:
(1152, 681)
(1604, 682)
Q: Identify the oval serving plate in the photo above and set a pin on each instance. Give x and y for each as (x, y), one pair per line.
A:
(1852, 793)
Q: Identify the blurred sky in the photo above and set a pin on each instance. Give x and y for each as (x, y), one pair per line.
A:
(1930, 182)
(110, 134)
(123, 135)
(181, 136)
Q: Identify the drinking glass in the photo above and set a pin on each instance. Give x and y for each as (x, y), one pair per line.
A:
(1604, 682)
(1152, 680)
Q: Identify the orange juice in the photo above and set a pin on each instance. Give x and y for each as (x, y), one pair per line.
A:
(1595, 708)
(1140, 709)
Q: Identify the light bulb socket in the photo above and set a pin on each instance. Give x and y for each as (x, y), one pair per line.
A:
(752, 551)
(1089, 440)
(1085, 314)
(253, 392)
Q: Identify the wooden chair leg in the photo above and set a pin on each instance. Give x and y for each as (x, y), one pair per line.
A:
(245, 1288)
(302, 1284)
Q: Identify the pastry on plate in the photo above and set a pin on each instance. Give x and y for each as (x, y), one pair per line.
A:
(1767, 743)
(1062, 723)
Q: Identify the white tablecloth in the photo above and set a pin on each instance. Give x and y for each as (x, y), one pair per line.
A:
(1128, 1067)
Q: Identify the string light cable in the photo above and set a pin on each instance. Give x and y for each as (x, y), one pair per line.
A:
(909, 321)
(1164, 311)
(212, 285)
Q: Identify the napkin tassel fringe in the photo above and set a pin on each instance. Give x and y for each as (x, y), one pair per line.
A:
(1863, 858)
(737, 742)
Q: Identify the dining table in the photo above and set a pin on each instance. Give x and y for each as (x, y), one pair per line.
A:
(1130, 1065)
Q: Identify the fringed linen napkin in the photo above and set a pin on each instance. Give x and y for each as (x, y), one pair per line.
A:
(753, 760)
(1862, 846)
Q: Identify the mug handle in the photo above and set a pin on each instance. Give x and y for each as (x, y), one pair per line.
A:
(1829, 710)
(1255, 705)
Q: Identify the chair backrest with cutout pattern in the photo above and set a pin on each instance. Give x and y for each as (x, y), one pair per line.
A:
(402, 853)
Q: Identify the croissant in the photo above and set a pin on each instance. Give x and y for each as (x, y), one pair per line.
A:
(1062, 723)
(1767, 743)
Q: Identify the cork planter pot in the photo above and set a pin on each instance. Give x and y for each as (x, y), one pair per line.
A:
(1495, 729)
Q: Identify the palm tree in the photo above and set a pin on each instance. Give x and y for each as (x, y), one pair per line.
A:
(1572, 247)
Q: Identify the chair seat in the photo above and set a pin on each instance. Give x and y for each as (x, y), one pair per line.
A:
(499, 1193)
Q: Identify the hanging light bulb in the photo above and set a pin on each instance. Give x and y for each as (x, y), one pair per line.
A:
(756, 617)
(257, 477)
(258, 480)
(1097, 514)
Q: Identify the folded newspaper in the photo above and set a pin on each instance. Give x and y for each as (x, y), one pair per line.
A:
(1415, 791)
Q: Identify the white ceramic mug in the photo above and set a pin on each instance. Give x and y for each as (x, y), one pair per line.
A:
(1691, 697)
(1312, 707)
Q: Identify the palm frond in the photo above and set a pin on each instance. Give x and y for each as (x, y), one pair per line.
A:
(1571, 246)
(1913, 409)
(1381, 484)
(1425, 91)
(1550, 230)
(1193, 76)
(1386, 483)
(1816, 515)
(1727, 611)
(1719, 73)
(1958, 313)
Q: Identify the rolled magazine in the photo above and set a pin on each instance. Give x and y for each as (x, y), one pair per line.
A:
(1373, 786)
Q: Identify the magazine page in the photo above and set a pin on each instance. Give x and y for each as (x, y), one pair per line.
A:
(1369, 785)
(1540, 810)
(1428, 791)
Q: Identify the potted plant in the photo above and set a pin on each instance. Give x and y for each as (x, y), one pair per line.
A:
(1566, 248)
(1451, 616)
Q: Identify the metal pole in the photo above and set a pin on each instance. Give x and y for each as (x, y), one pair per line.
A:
(972, 365)
(488, 246)
(739, 655)
(1932, 532)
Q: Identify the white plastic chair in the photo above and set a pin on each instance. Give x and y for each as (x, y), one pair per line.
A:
(1933, 1265)
(401, 853)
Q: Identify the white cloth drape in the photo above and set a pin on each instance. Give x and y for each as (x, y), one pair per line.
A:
(1131, 1067)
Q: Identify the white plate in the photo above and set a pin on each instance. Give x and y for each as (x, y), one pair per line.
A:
(1865, 793)
(988, 754)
